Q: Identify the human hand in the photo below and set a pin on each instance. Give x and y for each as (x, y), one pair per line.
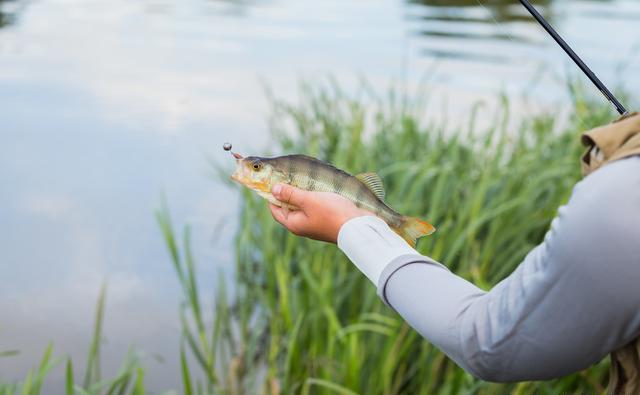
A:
(320, 215)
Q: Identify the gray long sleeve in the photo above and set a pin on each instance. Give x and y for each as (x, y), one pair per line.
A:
(574, 298)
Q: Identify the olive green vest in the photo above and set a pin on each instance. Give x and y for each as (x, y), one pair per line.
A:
(618, 140)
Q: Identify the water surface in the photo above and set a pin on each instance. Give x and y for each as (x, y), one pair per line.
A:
(106, 105)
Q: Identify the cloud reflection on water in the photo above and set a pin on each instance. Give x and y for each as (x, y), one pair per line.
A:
(106, 104)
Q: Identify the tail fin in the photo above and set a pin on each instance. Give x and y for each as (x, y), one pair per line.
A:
(413, 229)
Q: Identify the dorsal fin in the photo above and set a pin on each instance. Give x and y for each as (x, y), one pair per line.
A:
(373, 182)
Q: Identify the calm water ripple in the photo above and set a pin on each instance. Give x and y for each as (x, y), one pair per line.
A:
(105, 105)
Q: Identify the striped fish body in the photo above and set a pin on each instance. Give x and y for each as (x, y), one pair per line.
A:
(364, 190)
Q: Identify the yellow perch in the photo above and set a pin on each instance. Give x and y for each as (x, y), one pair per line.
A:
(304, 172)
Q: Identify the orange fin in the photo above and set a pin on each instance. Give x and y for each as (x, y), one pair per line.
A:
(414, 228)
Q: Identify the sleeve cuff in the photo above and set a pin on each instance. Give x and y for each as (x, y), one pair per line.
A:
(371, 245)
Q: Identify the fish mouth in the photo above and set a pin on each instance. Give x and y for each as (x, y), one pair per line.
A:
(258, 186)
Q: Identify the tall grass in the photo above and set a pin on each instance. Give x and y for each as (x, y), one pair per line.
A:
(129, 379)
(304, 320)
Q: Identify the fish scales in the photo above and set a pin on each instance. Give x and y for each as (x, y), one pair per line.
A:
(327, 178)
(304, 172)
(313, 175)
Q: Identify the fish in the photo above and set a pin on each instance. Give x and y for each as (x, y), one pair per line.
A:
(365, 190)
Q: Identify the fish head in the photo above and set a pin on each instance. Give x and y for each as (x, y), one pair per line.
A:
(254, 172)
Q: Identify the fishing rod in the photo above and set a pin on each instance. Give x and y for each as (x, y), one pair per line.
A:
(606, 92)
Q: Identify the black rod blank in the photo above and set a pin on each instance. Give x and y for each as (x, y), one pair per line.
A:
(606, 92)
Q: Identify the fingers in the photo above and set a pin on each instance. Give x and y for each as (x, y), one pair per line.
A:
(278, 214)
(290, 195)
(291, 220)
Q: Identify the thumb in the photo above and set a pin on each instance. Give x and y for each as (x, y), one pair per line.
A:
(290, 195)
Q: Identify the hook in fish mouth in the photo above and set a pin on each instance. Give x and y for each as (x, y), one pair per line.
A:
(227, 147)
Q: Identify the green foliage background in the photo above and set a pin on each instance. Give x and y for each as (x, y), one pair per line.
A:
(302, 319)
(491, 193)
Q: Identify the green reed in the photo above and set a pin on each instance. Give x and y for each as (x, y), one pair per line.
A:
(299, 318)
(308, 322)
(128, 380)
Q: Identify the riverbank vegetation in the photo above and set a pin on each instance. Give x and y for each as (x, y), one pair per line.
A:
(299, 318)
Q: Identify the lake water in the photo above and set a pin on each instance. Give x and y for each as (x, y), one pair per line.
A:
(107, 105)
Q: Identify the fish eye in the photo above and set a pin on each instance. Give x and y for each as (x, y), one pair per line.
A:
(257, 165)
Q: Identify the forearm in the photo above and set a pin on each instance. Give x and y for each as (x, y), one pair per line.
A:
(570, 302)
(487, 333)
(433, 301)
(483, 332)
(425, 293)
